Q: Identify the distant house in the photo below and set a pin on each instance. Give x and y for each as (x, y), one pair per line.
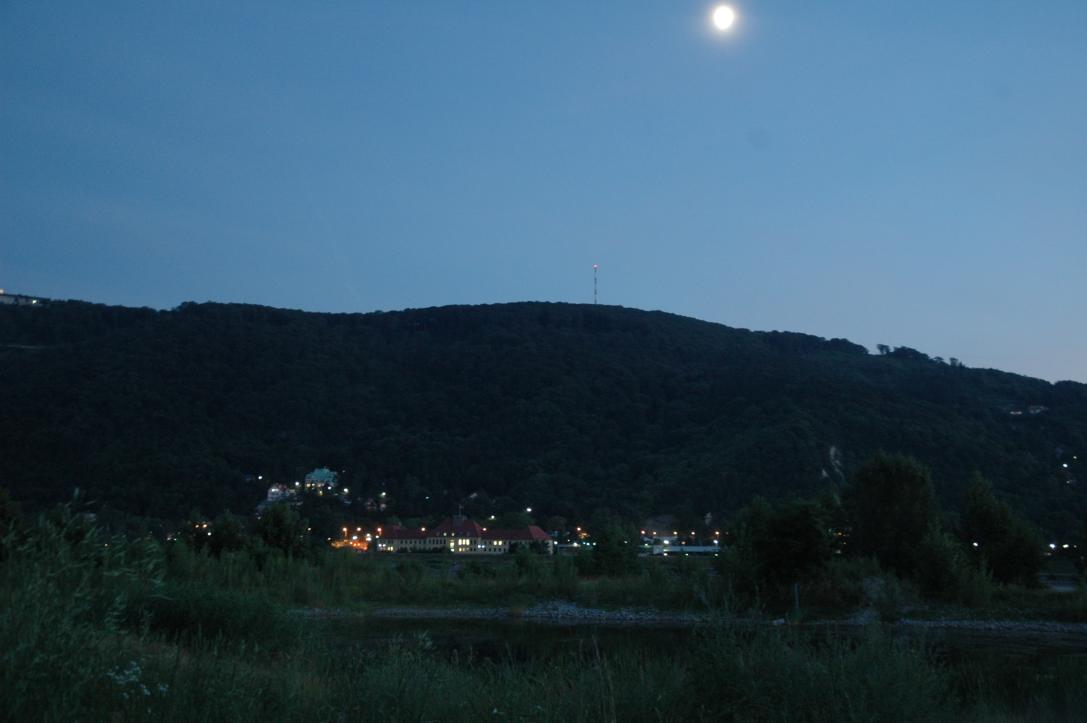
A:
(460, 535)
(403, 539)
(321, 479)
(18, 299)
(279, 493)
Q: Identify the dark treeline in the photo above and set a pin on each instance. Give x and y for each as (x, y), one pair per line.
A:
(567, 408)
(888, 529)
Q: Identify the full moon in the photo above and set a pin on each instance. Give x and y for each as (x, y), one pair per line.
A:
(723, 17)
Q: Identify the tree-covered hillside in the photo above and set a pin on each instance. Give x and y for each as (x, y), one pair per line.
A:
(566, 408)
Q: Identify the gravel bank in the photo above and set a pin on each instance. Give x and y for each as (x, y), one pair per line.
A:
(557, 612)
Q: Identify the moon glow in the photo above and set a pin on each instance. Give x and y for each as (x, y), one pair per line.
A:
(723, 17)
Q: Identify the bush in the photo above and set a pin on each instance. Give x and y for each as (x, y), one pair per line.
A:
(842, 585)
(943, 571)
(227, 534)
(63, 593)
(281, 528)
(888, 598)
(184, 610)
(766, 674)
(528, 564)
(613, 554)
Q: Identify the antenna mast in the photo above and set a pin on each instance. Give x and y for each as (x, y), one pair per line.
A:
(595, 267)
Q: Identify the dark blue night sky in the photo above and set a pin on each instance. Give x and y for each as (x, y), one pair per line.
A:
(891, 172)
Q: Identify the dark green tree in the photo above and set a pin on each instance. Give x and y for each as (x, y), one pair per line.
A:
(785, 542)
(894, 509)
(11, 522)
(614, 552)
(227, 534)
(280, 527)
(940, 568)
(1004, 541)
(196, 531)
(511, 521)
(11, 514)
(557, 524)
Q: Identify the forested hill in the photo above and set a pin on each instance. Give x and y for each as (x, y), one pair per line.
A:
(566, 408)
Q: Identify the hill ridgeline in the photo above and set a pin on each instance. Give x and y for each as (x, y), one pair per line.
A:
(566, 408)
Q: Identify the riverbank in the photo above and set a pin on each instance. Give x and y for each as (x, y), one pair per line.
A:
(1072, 636)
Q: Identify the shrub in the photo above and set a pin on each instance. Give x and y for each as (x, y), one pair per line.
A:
(944, 572)
(409, 571)
(185, 610)
(281, 528)
(63, 593)
(528, 564)
(766, 674)
(842, 584)
(888, 598)
(613, 553)
(227, 534)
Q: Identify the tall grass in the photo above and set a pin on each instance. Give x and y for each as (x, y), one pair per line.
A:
(780, 675)
(64, 592)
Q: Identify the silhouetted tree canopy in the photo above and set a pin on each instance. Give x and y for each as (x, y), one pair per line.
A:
(786, 542)
(1007, 543)
(564, 408)
(895, 508)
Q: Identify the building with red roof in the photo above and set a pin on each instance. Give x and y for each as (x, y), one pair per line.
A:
(460, 535)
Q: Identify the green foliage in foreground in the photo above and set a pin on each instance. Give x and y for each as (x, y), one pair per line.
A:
(95, 628)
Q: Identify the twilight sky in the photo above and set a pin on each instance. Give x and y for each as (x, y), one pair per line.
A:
(886, 171)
